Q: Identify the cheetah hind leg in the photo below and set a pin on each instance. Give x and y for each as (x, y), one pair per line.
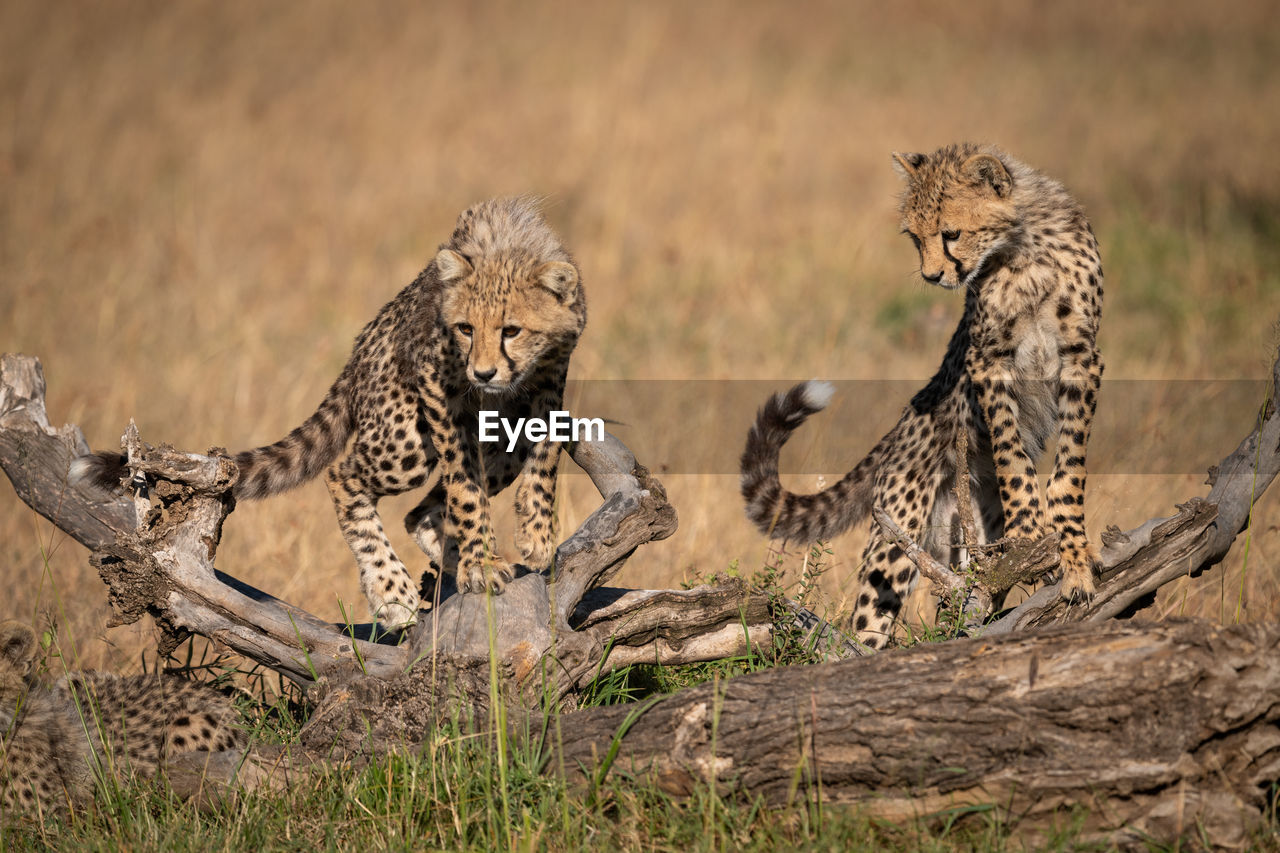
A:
(383, 578)
(425, 523)
(884, 580)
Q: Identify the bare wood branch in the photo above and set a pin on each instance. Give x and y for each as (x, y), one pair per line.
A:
(634, 513)
(165, 567)
(976, 605)
(964, 505)
(1018, 561)
(674, 626)
(163, 564)
(36, 458)
(928, 565)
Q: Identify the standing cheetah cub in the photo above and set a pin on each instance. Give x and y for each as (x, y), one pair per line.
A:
(1022, 368)
(53, 740)
(488, 325)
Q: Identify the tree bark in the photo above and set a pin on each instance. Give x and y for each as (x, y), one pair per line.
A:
(36, 458)
(1167, 729)
(1163, 729)
(155, 552)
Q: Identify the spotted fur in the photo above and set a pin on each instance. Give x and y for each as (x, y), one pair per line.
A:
(55, 740)
(1021, 369)
(489, 324)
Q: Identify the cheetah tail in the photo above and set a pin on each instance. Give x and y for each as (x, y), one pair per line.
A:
(264, 471)
(779, 513)
(302, 454)
(102, 472)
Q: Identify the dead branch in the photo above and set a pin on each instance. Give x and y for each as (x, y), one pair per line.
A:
(155, 551)
(36, 456)
(929, 566)
(976, 604)
(964, 505)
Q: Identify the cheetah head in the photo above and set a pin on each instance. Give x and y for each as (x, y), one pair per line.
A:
(958, 210)
(17, 654)
(507, 312)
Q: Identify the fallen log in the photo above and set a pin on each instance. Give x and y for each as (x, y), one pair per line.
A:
(1167, 729)
(155, 551)
(1163, 731)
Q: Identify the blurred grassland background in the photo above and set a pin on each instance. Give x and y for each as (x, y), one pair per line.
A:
(204, 202)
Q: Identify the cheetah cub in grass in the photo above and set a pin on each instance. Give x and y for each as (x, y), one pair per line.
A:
(488, 325)
(55, 740)
(1022, 368)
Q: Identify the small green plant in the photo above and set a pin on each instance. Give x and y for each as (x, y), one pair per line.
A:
(791, 643)
(954, 618)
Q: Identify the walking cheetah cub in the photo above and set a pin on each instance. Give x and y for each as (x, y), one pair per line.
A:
(54, 740)
(1022, 368)
(488, 325)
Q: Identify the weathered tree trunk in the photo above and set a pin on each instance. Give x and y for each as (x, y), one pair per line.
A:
(556, 631)
(1165, 729)
(1161, 729)
(36, 456)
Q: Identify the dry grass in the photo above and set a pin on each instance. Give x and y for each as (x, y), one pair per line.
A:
(204, 202)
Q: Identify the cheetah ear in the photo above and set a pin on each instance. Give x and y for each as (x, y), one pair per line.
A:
(985, 170)
(451, 265)
(907, 164)
(560, 277)
(17, 643)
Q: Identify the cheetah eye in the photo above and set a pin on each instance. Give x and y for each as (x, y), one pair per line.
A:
(950, 236)
(509, 332)
(464, 329)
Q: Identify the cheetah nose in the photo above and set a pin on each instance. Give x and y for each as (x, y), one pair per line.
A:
(486, 375)
(932, 278)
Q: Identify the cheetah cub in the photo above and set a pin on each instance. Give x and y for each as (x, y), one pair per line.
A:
(488, 325)
(54, 740)
(1022, 368)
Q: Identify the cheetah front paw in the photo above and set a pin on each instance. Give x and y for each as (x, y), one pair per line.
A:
(397, 615)
(493, 573)
(1077, 573)
(537, 548)
(392, 598)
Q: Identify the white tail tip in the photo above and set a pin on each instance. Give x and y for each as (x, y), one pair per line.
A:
(82, 468)
(817, 394)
